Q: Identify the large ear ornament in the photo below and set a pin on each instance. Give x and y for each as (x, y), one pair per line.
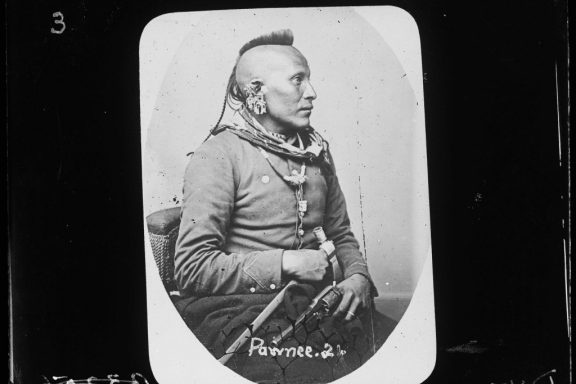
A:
(255, 100)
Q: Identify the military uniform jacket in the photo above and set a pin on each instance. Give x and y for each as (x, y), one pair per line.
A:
(239, 215)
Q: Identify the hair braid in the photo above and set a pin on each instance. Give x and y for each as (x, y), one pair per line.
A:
(220, 118)
(234, 95)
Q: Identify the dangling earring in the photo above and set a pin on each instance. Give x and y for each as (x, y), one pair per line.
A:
(255, 101)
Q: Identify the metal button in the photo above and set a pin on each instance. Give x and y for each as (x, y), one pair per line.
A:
(265, 179)
(294, 172)
(272, 286)
(252, 289)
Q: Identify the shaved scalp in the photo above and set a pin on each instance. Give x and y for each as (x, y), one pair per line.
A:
(260, 61)
(282, 38)
(234, 95)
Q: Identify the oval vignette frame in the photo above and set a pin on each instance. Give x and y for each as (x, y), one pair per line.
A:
(389, 118)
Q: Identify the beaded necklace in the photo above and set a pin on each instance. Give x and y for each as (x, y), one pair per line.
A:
(279, 136)
(296, 180)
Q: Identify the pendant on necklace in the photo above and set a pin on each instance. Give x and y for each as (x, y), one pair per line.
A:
(302, 206)
(295, 180)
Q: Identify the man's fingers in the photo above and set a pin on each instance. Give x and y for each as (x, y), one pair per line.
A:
(344, 304)
(351, 311)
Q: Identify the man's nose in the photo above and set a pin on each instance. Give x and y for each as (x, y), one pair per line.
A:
(309, 93)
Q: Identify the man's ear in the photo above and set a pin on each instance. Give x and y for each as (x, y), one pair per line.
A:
(256, 85)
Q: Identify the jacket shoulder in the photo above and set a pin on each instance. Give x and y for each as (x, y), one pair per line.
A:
(224, 142)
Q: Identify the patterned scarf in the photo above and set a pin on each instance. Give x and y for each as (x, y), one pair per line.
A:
(247, 128)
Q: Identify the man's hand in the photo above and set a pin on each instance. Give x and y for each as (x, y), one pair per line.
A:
(308, 265)
(355, 296)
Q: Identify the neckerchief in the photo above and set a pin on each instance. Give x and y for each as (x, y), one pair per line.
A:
(247, 128)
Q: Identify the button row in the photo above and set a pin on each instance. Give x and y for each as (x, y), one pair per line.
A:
(253, 289)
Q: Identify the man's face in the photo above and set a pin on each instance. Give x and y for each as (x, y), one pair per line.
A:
(288, 91)
(284, 76)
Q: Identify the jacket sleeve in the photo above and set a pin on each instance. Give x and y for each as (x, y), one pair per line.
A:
(337, 226)
(201, 266)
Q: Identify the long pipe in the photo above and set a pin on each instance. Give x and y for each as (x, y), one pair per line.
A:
(258, 321)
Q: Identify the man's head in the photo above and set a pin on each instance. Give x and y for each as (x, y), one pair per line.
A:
(282, 74)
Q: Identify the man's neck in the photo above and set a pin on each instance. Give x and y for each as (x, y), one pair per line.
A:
(282, 133)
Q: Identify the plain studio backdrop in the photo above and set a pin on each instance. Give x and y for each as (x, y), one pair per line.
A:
(369, 108)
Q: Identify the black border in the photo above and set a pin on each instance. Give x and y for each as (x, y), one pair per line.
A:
(498, 192)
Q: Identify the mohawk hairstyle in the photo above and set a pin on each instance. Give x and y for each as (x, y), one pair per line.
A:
(234, 95)
(281, 37)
